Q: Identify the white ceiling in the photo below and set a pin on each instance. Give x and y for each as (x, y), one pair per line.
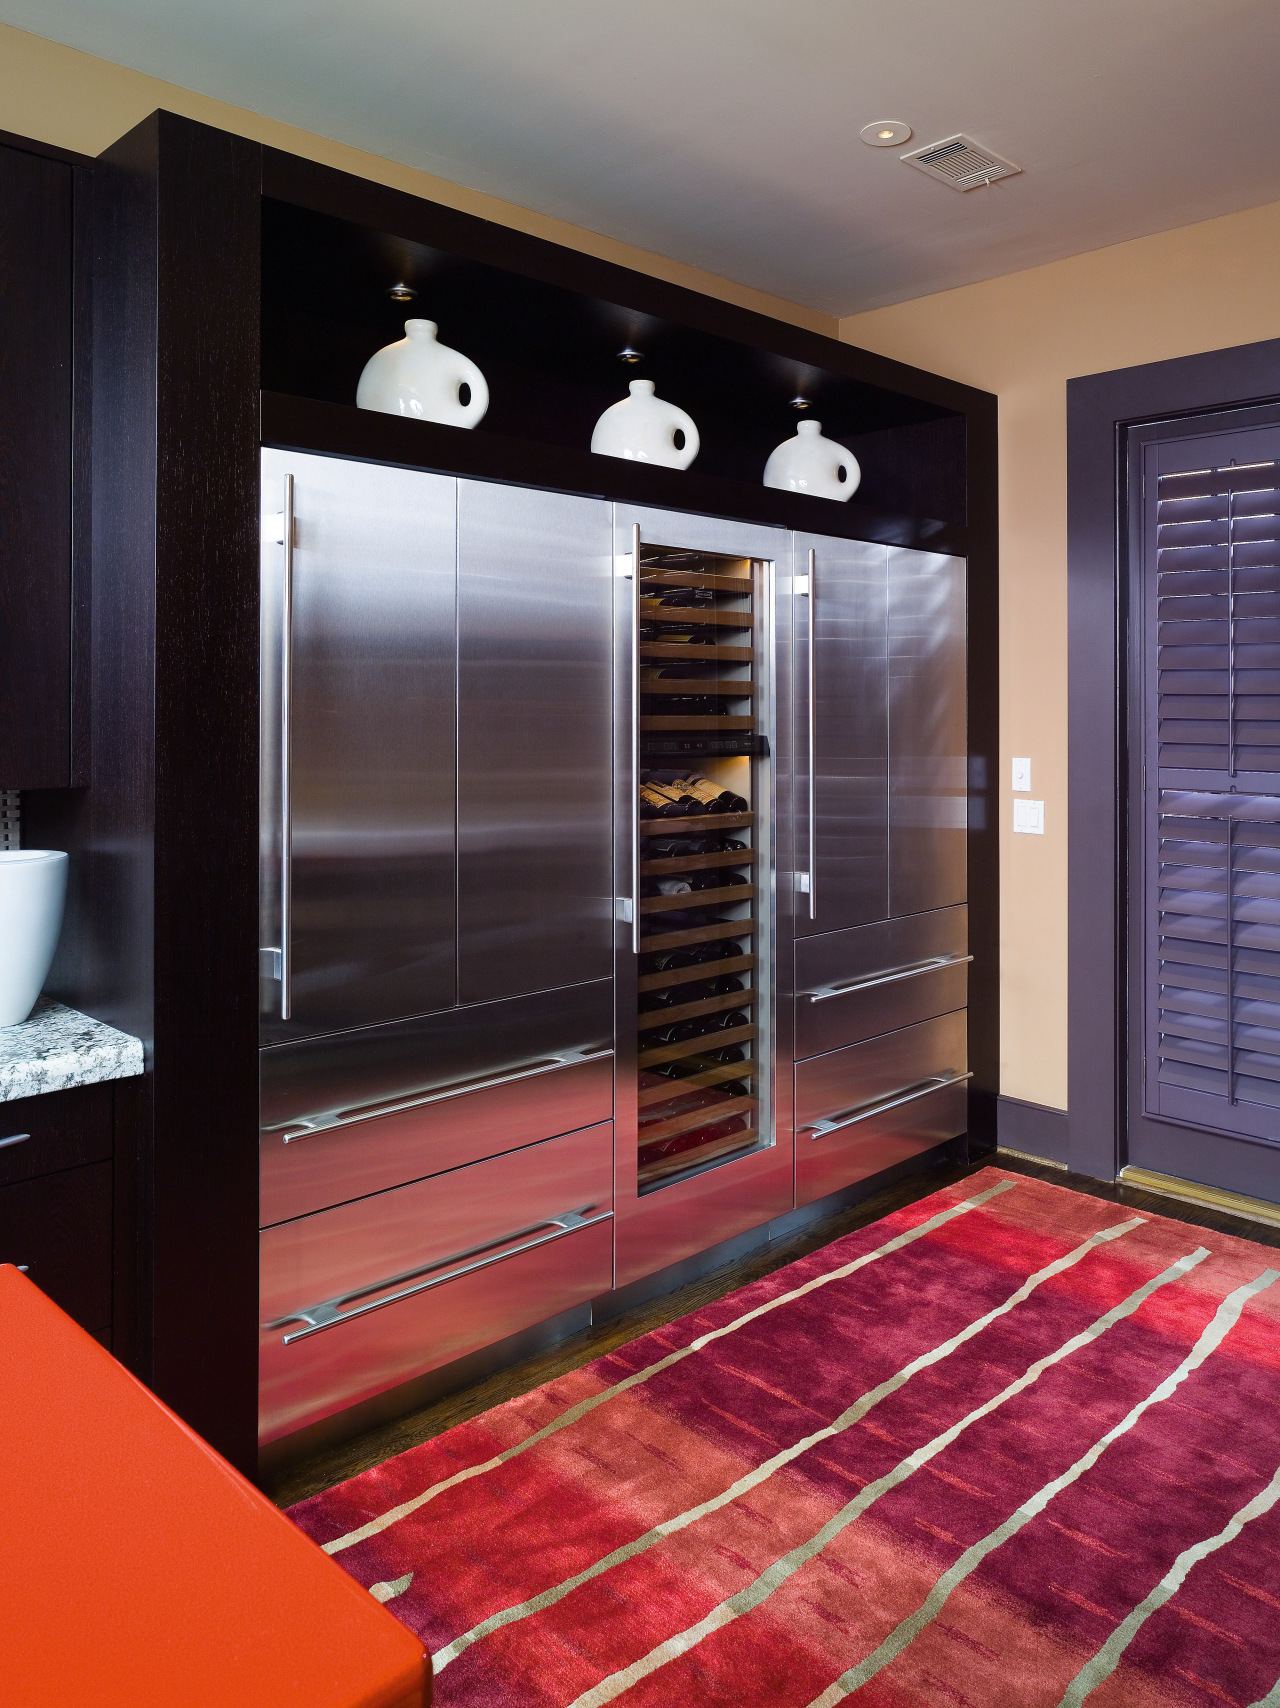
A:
(724, 133)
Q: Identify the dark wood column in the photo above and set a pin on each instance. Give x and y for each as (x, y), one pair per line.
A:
(168, 838)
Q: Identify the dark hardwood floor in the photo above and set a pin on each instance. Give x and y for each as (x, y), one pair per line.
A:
(348, 1458)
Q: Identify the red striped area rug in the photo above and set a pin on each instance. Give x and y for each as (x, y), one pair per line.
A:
(1011, 1445)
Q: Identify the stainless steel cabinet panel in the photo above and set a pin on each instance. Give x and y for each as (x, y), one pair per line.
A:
(839, 1159)
(316, 1081)
(845, 722)
(859, 1079)
(304, 1169)
(535, 602)
(928, 731)
(857, 984)
(371, 797)
(464, 1258)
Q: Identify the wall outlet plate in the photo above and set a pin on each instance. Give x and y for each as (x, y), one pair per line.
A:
(1022, 775)
(1028, 818)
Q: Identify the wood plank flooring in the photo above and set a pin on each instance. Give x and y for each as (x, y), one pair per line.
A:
(348, 1458)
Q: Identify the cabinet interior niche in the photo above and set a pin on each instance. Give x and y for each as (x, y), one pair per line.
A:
(551, 358)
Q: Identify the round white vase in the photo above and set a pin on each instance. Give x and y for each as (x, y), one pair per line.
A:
(809, 463)
(646, 429)
(33, 889)
(423, 379)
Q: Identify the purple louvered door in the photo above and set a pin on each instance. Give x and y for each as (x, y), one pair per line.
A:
(1208, 638)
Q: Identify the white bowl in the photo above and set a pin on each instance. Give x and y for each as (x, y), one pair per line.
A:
(33, 888)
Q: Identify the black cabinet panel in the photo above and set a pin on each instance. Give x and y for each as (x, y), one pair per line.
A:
(62, 1129)
(60, 1229)
(35, 471)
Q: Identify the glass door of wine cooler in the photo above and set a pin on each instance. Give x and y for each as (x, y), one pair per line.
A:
(699, 1158)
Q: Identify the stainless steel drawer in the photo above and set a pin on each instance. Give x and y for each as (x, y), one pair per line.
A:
(303, 1170)
(858, 984)
(358, 1299)
(861, 1109)
(358, 1112)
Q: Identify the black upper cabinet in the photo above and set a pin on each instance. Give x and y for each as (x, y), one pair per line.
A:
(36, 244)
(547, 328)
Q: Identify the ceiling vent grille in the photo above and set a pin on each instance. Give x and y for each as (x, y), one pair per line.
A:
(960, 162)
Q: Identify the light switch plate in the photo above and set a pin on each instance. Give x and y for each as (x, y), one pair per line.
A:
(1022, 775)
(1028, 818)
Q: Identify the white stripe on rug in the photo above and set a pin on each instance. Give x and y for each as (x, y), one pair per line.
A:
(628, 1551)
(758, 1592)
(1224, 1320)
(572, 1415)
(1108, 1657)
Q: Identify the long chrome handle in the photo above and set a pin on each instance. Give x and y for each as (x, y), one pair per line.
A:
(912, 972)
(813, 736)
(820, 1129)
(286, 762)
(635, 739)
(14, 1139)
(307, 1126)
(329, 1313)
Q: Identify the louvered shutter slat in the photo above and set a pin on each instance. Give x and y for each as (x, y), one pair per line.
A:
(1213, 708)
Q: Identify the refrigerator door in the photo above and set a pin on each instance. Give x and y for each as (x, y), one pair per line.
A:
(839, 733)
(928, 731)
(673, 1218)
(358, 768)
(535, 824)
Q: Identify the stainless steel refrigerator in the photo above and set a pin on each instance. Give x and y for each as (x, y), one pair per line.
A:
(527, 1034)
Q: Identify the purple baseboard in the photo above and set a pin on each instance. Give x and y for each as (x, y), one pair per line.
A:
(1032, 1128)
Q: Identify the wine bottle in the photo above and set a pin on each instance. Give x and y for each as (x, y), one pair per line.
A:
(725, 983)
(712, 799)
(665, 804)
(688, 803)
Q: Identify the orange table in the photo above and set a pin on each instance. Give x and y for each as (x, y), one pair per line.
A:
(138, 1569)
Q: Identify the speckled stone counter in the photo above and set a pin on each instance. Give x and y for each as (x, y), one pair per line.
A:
(59, 1047)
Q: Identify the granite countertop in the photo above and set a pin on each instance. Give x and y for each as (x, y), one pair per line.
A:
(58, 1047)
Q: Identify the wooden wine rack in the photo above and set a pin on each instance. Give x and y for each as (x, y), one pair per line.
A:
(651, 1017)
(698, 898)
(697, 654)
(683, 1103)
(716, 1075)
(665, 1167)
(697, 1047)
(692, 975)
(696, 826)
(675, 864)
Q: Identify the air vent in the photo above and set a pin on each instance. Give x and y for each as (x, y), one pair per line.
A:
(960, 162)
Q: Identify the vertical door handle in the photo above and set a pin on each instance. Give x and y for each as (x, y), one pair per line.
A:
(286, 762)
(813, 737)
(635, 739)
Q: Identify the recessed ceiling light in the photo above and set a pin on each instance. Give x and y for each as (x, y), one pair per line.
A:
(630, 355)
(402, 293)
(885, 133)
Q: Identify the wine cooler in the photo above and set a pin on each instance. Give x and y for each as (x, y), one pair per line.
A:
(697, 1138)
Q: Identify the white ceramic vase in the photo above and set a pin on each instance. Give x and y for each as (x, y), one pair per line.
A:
(809, 463)
(423, 379)
(33, 888)
(646, 429)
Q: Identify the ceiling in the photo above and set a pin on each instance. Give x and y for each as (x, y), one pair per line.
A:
(724, 133)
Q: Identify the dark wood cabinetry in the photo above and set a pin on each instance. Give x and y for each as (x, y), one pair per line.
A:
(40, 744)
(236, 293)
(67, 1213)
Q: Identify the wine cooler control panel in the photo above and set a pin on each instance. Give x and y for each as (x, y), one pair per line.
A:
(702, 1060)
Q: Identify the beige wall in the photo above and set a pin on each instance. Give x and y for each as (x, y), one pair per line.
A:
(55, 95)
(1022, 336)
(1202, 287)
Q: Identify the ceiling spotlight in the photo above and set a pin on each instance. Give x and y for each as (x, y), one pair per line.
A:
(630, 355)
(885, 133)
(402, 293)
(801, 403)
